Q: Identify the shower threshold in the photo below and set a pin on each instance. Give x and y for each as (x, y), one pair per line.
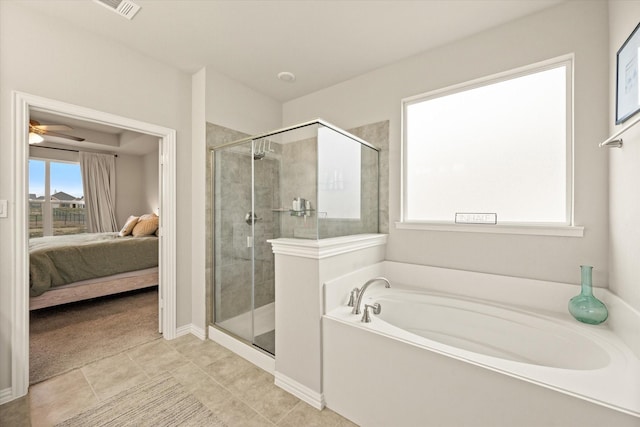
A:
(267, 342)
(264, 326)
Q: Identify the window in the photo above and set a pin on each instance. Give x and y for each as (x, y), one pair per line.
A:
(501, 145)
(56, 202)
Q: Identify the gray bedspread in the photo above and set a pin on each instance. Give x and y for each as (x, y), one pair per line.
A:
(60, 260)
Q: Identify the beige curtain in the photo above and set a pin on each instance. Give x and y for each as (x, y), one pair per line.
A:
(99, 185)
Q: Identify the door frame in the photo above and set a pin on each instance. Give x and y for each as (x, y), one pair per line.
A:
(22, 103)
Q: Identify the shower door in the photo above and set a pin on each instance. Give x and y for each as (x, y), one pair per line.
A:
(266, 198)
(245, 189)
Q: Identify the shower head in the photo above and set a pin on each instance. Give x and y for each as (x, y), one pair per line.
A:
(259, 149)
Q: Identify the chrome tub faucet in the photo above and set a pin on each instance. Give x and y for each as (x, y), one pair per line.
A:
(357, 294)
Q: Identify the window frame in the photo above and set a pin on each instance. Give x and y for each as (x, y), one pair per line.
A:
(566, 228)
(47, 206)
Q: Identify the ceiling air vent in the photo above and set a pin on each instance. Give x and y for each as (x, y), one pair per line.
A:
(125, 8)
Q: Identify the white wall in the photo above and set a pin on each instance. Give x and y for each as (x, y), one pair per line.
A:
(579, 27)
(79, 68)
(43, 153)
(624, 172)
(151, 195)
(199, 189)
(137, 186)
(238, 107)
(130, 187)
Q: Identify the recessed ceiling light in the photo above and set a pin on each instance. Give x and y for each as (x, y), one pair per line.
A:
(286, 76)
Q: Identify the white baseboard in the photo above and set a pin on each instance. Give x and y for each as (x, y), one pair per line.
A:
(191, 329)
(6, 395)
(300, 391)
(253, 355)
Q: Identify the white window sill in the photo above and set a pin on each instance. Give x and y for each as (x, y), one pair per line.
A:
(534, 230)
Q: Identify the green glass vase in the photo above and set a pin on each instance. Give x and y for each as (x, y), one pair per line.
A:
(585, 307)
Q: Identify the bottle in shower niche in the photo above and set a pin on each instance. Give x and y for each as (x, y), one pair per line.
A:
(585, 307)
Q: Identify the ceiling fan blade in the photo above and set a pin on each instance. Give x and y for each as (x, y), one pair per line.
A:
(54, 127)
(60, 135)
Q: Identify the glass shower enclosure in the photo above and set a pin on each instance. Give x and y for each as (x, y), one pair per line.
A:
(309, 181)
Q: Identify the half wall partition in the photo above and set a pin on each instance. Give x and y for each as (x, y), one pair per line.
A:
(309, 181)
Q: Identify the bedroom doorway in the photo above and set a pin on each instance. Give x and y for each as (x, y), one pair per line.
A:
(24, 105)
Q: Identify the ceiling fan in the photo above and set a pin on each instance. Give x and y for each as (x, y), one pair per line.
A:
(37, 130)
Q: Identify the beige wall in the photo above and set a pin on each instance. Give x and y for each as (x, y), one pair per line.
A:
(130, 187)
(137, 186)
(77, 67)
(624, 172)
(235, 106)
(578, 27)
(151, 185)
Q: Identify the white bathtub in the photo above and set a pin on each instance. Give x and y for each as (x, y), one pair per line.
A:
(476, 330)
(435, 358)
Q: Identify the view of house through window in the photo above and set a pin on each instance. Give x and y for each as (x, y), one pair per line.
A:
(56, 202)
(499, 146)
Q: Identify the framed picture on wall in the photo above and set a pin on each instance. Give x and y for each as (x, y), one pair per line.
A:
(628, 78)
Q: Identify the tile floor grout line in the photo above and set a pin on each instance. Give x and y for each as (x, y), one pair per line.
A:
(237, 396)
(126, 352)
(90, 385)
(247, 403)
(289, 412)
(232, 395)
(271, 423)
(220, 384)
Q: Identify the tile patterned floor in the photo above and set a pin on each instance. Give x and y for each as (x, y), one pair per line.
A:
(235, 390)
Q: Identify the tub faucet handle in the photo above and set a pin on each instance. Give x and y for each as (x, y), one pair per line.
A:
(366, 318)
(353, 296)
(360, 294)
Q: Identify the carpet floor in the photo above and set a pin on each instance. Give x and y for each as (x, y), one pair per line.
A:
(161, 401)
(72, 335)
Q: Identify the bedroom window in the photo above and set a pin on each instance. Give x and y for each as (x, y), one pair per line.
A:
(500, 145)
(56, 202)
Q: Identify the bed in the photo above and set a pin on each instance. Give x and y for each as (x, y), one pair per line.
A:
(70, 268)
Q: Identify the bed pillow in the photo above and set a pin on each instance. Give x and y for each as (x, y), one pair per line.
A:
(146, 226)
(128, 226)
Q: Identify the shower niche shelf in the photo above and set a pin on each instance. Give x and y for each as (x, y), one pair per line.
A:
(302, 212)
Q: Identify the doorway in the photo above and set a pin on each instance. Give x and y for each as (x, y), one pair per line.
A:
(22, 105)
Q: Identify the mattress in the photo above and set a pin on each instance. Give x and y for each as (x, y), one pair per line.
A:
(61, 260)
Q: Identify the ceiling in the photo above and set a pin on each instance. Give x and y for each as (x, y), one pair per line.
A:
(323, 42)
(98, 137)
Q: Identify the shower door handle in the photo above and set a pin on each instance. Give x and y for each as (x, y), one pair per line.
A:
(251, 218)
